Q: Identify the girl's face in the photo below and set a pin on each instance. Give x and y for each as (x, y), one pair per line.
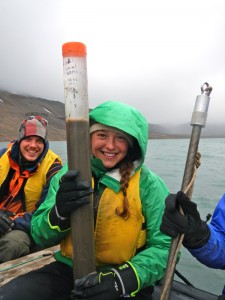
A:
(31, 147)
(109, 146)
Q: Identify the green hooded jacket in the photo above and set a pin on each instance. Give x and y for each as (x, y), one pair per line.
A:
(150, 263)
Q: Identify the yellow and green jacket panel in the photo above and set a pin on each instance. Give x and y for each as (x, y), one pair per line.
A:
(116, 239)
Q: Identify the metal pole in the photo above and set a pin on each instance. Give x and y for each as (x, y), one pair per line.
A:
(78, 152)
(198, 121)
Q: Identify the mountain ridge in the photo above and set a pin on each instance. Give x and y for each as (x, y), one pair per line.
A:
(14, 108)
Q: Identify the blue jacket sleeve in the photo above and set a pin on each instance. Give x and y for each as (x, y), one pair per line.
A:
(23, 222)
(212, 254)
(2, 151)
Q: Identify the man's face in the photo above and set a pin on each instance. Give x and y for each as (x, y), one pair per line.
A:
(32, 147)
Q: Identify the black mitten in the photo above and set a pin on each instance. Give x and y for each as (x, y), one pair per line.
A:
(173, 222)
(117, 283)
(72, 193)
(6, 223)
(198, 232)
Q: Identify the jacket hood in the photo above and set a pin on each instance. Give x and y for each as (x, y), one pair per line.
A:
(123, 117)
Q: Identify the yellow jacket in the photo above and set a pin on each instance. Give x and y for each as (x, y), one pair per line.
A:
(34, 184)
(116, 239)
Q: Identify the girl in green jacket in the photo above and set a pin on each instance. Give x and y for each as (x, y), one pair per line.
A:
(128, 203)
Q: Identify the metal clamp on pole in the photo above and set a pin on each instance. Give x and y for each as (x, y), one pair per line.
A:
(199, 115)
(198, 121)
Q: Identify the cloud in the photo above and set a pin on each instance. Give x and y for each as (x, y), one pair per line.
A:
(152, 54)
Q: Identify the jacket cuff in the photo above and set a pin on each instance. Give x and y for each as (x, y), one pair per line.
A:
(128, 278)
(56, 220)
(198, 238)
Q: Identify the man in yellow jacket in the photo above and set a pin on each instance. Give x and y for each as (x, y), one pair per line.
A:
(26, 168)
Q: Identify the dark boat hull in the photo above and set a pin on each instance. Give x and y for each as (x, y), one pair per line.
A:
(14, 268)
(182, 291)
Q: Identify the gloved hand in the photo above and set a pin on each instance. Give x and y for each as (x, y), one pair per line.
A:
(173, 222)
(6, 223)
(117, 282)
(72, 193)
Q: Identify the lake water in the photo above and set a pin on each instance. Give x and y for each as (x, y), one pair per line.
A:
(167, 158)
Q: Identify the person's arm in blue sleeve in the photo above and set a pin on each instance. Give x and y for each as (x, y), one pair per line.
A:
(212, 254)
(2, 151)
(205, 242)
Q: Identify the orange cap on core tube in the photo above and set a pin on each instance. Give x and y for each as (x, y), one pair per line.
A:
(74, 49)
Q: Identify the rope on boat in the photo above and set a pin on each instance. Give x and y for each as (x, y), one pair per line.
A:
(187, 190)
(27, 261)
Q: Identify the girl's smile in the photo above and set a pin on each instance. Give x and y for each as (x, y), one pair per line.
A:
(109, 146)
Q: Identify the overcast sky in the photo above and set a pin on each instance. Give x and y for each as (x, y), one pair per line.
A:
(152, 54)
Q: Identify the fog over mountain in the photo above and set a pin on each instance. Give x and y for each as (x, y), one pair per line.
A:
(14, 108)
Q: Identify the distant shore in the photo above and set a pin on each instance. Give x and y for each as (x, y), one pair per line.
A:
(16, 107)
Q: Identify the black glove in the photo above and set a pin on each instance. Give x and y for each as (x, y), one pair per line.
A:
(173, 222)
(6, 223)
(117, 282)
(71, 194)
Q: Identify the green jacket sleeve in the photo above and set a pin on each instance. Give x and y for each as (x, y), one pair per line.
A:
(150, 263)
(43, 233)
